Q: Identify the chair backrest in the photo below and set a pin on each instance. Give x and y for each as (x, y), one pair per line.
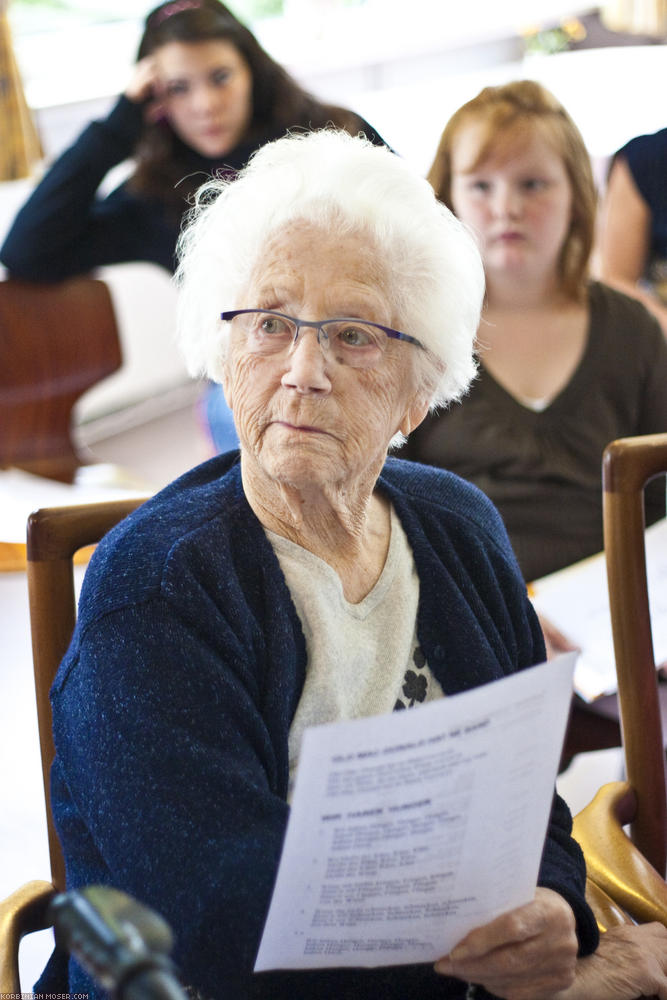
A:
(56, 340)
(55, 534)
(628, 464)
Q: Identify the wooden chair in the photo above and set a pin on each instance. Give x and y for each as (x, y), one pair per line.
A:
(631, 869)
(56, 340)
(55, 534)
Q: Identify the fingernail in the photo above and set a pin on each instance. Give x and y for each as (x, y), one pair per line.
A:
(460, 954)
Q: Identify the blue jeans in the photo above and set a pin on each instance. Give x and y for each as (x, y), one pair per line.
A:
(219, 420)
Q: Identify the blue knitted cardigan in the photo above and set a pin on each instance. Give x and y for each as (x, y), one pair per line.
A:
(173, 705)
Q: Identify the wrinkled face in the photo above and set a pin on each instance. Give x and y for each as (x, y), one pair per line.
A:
(519, 202)
(303, 417)
(206, 94)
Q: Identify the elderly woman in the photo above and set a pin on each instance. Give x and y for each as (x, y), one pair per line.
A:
(298, 582)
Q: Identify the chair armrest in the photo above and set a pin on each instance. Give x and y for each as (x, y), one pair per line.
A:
(613, 862)
(607, 913)
(21, 913)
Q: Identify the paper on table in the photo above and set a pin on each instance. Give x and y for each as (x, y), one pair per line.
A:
(408, 830)
(21, 493)
(576, 601)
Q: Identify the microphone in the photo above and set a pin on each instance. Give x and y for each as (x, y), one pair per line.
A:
(122, 943)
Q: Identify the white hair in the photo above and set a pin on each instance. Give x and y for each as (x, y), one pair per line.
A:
(338, 183)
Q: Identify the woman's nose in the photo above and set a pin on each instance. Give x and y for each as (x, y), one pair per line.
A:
(205, 99)
(307, 365)
(507, 202)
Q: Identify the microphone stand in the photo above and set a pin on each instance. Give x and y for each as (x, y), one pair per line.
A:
(122, 943)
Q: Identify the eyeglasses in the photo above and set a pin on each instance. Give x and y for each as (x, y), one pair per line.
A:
(353, 342)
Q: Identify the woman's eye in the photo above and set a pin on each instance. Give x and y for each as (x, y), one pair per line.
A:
(481, 186)
(176, 88)
(534, 184)
(273, 326)
(220, 77)
(353, 336)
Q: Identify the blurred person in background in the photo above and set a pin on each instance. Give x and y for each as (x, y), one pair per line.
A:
(566, 364)
(633, 223)
(203, 97)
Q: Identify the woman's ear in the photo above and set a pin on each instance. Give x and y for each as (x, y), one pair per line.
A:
(414, 415)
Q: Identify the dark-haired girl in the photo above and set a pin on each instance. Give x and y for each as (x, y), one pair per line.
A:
(204, 95)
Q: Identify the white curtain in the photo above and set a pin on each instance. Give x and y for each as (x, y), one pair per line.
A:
(642, 17)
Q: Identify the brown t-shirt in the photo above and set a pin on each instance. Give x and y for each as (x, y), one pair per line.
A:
(542, 469)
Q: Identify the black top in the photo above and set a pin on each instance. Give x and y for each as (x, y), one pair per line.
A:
(65, 228)
(646, 156)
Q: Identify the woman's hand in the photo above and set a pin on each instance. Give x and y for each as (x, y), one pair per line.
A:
(555, 640)
(144, 85)
(630, 962)
(527, 954)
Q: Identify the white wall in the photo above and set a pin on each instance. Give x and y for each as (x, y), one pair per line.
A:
(612, 93)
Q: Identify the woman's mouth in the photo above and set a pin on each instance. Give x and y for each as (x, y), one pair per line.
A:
(301, 428)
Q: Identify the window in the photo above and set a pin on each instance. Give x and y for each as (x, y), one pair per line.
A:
(68, 49)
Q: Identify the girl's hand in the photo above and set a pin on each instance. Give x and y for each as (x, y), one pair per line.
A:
(527, 954)
(144, 85)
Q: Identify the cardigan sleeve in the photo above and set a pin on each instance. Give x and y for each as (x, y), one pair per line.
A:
(563, 869)
(165, 786)
(64, 228)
